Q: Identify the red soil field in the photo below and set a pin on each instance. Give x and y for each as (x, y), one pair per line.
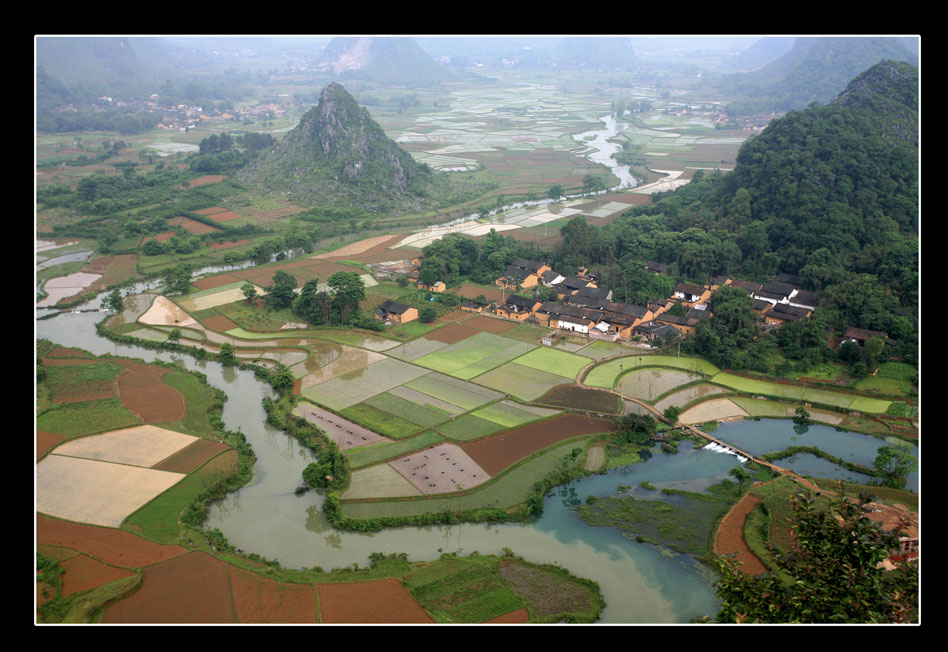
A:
(228, 245)
(471, 291)
(494, 454)
(189, 225)
(211, 210)
(192, 588)
(382, 601)
(215, 281)
(219, 323)
(89, 391)
(155, 403)
(226, 216)
(45, 441)
(62, 352)
(450, 334)
(519, 616)
(374, 251)
(191, 457)
(114, 269)
(83, 572)
(66, 362)
(111, 546)
(730, 536)
(454, 315)
(490, 324)
(259, 599)
(207, 179)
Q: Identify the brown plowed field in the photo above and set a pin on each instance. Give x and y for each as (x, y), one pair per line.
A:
(519, 616)
(450, 334)
(490, 324)
(189, 225)
(494, 454)
(215, 281)
(83, 572)
(259, 599)
(61, 352)
(382, 601)
(730, 536)
(111, 546)
(469, 291)
(219, 323)
(191, 457)
(155, 404)
(454, 315)
(228, 245)
(369, 246)
(206, 179)
(192, 588)
(161, 237)
(65, 362)
(210, 211)
(45, 441)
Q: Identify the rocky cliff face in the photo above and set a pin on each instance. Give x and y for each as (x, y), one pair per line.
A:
(338, 153)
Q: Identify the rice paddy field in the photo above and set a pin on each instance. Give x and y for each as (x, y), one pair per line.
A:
(802, 393)
(606, 375)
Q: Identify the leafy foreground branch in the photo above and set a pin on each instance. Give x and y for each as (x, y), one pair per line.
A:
(834, 573)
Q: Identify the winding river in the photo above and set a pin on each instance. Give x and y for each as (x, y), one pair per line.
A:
(640, 584)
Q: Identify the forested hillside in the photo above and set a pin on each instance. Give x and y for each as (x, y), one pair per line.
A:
(815, 70)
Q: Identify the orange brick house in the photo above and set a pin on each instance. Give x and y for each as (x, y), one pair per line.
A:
(396, 312)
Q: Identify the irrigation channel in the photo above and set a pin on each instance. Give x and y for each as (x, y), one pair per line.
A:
(640, 584)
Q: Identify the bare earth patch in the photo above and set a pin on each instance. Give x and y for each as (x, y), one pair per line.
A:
(730, 536)
(101, 493)
(109, 545)
(345, 433)
(382, 601)
(164, 312)
(712, 410)
(442, 469)
(142, 446)
(548, 594)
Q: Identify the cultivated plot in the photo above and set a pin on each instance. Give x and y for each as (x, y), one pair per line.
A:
(468, 427)
(443, 469)
(415, 349)
(473, 355)
(356, 386)
(554, 361)
(421, 415)
(802, 393)
(142, 446)
(348, 359)
(524, 383)
(163, 312)
(511, 415)
(425, 400)
(217, 297)
(687, 395)
(712, 410)
(90, 491)
(345, 433)
(457, 392)
(379, 481)
(648, 384)
(605, 375)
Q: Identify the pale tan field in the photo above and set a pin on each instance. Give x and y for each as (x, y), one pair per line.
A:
(345, 433)
(165, 313)
(356, 247)
(142, 446)
(381, 481)
(218, 299)
(442, 469)
(719, 408)
(99, 493)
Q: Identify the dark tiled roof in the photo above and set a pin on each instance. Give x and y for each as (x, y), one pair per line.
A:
(628, 309)
(787, 309)
(531, 265)
(573, 283)
(516, 273)
(393, 307)
(750, 286)
(521, 302)
(862, 333)
(805, 297)
(760, 304)
(689, 289)
(675, 319)
(776, 287)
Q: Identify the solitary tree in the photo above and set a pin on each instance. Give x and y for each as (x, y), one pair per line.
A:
(226, 355)
(894, 462)
(250, 292)
(174, 335)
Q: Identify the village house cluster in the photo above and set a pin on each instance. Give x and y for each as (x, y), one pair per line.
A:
(585, 308)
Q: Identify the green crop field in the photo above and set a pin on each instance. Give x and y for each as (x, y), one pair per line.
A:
(380, 422)
(456, 358)
(376, 453)
(419, 414)
(467, 427)
(600, 349)
(509, 415)
(457, 392)
(86, 417)
(553, 361)
(524, 383)
(604, 375)
(801, 393)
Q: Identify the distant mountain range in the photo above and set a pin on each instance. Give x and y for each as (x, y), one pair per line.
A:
(814, 70)
(608, 53)
(394, 60)
(762, 52)
(339, 155)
